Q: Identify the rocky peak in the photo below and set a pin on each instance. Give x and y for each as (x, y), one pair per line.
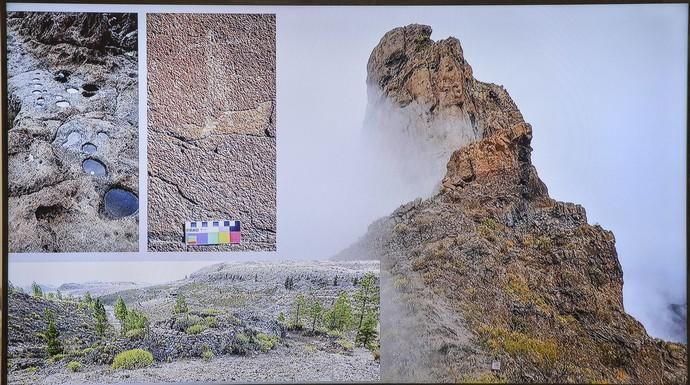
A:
(408, 66)
(490, 268)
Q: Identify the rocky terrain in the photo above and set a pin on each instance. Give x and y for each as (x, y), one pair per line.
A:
(237, 309)
(212, 130)
(490, 279)
(72, 139)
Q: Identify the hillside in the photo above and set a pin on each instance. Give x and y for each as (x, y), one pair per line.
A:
(491, 271)
(242, 322)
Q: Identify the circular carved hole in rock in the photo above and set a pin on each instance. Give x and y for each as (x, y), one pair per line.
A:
(89, 148)
(40, 100)
(62, 103)
(89, 87)
(58, 97)
(120, 203)
(71, 90)
(35, 80)
(37, 86)
(94, 167)
(72, 139)
(36, 92)
(87, 94)
(62, 76)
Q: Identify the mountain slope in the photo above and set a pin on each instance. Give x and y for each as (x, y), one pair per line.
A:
(490, 268)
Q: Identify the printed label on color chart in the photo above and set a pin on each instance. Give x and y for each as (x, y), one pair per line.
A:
(223, 232)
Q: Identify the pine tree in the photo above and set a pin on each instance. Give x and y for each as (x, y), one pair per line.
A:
(339, 316)
(366, 334)
(180, 305)
(121, 312)
(88, 299)
(52, 335)
(59, 295)
(101, 317)
(335, 281)
(36, 290)
(366, 298)
(315, 311)
(299, 307)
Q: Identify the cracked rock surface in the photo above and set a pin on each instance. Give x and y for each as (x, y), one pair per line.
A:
(211, 135)
(72, 92)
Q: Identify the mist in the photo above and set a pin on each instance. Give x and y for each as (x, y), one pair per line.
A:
(604, 88)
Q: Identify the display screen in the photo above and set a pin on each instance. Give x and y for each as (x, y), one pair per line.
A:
(296, 194)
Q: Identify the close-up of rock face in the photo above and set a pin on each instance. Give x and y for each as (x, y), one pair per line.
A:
(490, 279)
(73, 132)
(212, 127)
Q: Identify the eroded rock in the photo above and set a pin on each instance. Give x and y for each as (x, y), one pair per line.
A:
(51, 56)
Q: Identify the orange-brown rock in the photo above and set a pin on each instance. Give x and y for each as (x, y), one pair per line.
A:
(490, 271)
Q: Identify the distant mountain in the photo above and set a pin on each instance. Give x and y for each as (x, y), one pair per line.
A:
(97, 288)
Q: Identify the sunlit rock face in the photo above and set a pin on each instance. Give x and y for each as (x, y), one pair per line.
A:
(488, 278)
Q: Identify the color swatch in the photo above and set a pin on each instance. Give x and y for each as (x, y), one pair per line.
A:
(223, 232)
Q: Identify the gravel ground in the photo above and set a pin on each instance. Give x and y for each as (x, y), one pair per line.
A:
(291, 362)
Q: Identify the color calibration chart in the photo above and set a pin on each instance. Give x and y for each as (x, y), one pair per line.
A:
(223, 232)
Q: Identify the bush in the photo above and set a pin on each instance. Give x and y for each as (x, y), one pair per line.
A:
(207, 355)
(74, 366)
(133, 359)
(345, 344)
(56, 357)
(211, 322)
(266, 342)
(135, 334)
(196, 329)
(239, 345)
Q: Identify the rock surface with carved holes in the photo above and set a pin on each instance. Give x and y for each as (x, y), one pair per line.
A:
(211, 140)
(73, 117)
(490, 268)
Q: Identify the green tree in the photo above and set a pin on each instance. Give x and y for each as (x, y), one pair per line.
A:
(299, 306)
(88, 299)
(121, 312)
(340, 314)
(366, 334)
(315, 312)
(101, 317)
(335, 281)
(180, 305)
(36, 290)
(135, 320)
(51, 335)
(366, 298)
(58, 295)
(281, 318)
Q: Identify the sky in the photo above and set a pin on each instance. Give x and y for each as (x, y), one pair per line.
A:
(603, 86)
